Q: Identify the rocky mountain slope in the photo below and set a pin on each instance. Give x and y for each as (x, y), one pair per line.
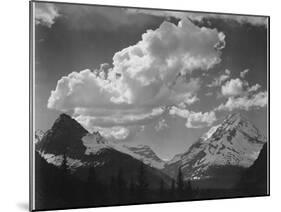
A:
(254, 180)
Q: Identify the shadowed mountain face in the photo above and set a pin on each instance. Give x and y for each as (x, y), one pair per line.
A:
(220, 156)
(254, 180)
(64, 137)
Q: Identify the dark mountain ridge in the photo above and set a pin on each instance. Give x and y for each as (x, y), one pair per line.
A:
(66, 139)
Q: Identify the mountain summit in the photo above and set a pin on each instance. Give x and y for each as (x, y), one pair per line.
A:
(233, 144)
(63, 138)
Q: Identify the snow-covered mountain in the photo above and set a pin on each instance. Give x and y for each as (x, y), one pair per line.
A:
(145, 154)
(235, 143)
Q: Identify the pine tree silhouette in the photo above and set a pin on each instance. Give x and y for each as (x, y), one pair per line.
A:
(92, 188)
(64, 184)
(162, 192)
(64, 165)
(172, 189)
(121, 185)
(113, 185)
(161, 187)
(188, 186)
(92, 178)
(120, 180)
(188, 190)
(141, 182)
(180, 183)
(132, 190)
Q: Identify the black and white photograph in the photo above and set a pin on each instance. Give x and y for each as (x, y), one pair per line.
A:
(138, 106)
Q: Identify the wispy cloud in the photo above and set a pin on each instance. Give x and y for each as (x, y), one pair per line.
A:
(197, 16)
(244, 73)
(194, 119)
(45, 14)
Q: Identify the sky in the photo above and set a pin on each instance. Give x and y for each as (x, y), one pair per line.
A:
(154, 77)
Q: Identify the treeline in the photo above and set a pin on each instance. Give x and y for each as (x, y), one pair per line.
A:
(58, 188)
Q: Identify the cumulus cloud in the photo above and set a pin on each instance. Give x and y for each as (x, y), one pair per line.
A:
(257, 100)
(219, 80)
(241, 95)
(197, 16)
(233, 87)
(84, 89)
(244, 73)
(237, 87)
(45, 14)
(146, 73)
(194, 119)
(150, 67)
(143, 77)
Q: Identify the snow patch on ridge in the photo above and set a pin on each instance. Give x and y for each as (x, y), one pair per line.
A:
(95, 144)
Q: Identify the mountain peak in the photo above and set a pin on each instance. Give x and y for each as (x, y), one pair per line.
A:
(63, 117)
(64, 136)
(237, 120)
(236, 116)
(66, 122)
